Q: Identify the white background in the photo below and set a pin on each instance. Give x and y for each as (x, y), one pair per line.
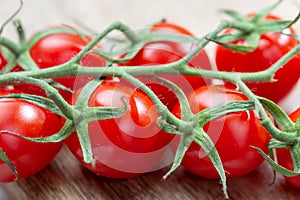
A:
(199, 16)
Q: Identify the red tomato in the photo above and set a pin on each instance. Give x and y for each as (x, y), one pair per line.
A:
(28, 120)
(232, 134)
(272, 46)
(163, 52)
(3, 61)
(59, 48)
(284, 156)
(126, 146)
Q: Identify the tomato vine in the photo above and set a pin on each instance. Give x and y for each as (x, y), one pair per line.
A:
(190, 126)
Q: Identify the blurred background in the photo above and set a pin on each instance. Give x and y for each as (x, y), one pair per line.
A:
(199, 16)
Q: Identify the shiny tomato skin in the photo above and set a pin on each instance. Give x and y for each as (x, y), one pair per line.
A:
(272, 46)
(59, 48)
(56, 49)
(126, 146)
(232, 134)
(4, 62)
(164, 52)
(284, 156)
(29, 120)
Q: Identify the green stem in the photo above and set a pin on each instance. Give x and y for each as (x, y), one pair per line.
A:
(186, 113)
(265, 119)
(21, 33)
(260, 76)
(282, 61)
(10, 65)
(180, 64)
(161, 108)
(52, 93)
(115, 26)
(265, 75)
(203, 42)
(84, 140)
(12, 16)
(10, 45)
(70, 69)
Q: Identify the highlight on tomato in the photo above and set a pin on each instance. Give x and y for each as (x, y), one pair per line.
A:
(164, 52)
(25, 119)
(232, 134)
(284, 156)
(272, 46)
(127, 146)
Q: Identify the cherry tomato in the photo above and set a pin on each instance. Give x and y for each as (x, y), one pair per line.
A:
(163, 52)
(28, 120)
(3, 63)
(284, 156)
(126, 146)
(232, 134)
(59, 48)
(272, 46)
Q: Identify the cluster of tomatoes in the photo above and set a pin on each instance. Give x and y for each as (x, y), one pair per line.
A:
(134, 144)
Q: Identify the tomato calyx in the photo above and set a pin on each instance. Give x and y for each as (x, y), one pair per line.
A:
(193, 132)
(290, 135)
(84, 114)
(251, 30)
(279, 116)
(76, 117)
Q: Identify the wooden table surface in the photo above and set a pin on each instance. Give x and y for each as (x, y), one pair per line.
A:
(65, 179)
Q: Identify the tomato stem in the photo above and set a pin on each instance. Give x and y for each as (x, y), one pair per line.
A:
(10, 45)
(72, 68)
(20, 30)
(265, 119)
(186, 112)
(115, 26)
(161, 108)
